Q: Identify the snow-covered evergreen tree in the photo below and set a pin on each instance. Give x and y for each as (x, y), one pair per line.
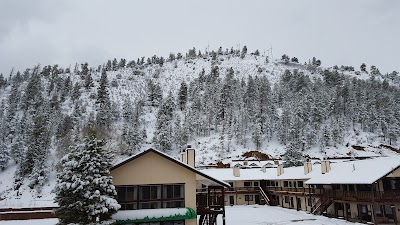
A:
(34, 161)
(246, 101)
(4, 155)
(292, 156)
(182, 96)
(104, 115)
(163, 136)
(84, 189)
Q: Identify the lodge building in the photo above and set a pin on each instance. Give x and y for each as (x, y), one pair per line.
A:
(365, 190)
(154, 188)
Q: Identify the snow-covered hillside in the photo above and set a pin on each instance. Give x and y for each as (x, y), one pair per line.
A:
(223, 104)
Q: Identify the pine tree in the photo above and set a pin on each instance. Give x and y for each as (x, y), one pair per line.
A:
(132, 135)
(84, 189)
(292, 156)
(4, 155)
(374, 71)
(11, 117)
(285, 58)
(181, 133)
(171, 57)
(33, 99)
(244, 52)
(182, 97)
(122, 63)
(257, 134)
(66, 89)
(18, 147)
(104, 115)
(393, 133)
(3, 81)
(363, 68)
(154, 93)
(114, 64)
(88, 81)
(131, 64)
(34, 160)
(84, 69)
(163, 136)
(76, 92)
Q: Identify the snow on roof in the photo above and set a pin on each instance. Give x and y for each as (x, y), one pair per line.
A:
(364, 171)
(213, 180)
(291, 173)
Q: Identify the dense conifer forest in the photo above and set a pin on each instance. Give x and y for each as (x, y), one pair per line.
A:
(220, 101)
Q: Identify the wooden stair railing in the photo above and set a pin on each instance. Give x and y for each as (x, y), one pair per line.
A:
(264, 196)
(322, 204)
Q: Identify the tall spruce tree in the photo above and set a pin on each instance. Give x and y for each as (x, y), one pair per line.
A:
(4, 155)
(84, 190)
(163, 135)
(34, 161)
(182, 97)
(292, 156)
(103, 102)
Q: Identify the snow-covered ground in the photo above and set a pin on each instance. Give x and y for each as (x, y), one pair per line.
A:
(269, 215)
(25, 196)
(242, 215)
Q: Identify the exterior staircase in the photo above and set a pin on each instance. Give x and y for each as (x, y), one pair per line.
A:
(322, 204)
(264, 196)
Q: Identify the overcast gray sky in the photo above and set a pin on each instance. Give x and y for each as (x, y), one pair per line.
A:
(341, 32)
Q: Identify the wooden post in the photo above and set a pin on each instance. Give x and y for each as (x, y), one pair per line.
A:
(373, 214)
(383, 212)
(359, 213)
(208, 204)
(208, 197)
(373, 205)
(335, 209)
(309, 192)
(394, 214)
(223, 206)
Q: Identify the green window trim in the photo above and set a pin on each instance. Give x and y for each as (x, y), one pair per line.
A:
(190, 214)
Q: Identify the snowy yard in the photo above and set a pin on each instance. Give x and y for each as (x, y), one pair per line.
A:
(242, 215)
(269, 215)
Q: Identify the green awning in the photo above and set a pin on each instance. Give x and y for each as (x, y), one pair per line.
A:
(153, 215)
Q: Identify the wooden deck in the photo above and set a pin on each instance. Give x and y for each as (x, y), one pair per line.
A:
(381, 197)
(210, 204)
(26, 213)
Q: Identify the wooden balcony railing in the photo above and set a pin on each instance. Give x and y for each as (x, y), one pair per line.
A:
(235, 189)
(367, 196)
(303, 190)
